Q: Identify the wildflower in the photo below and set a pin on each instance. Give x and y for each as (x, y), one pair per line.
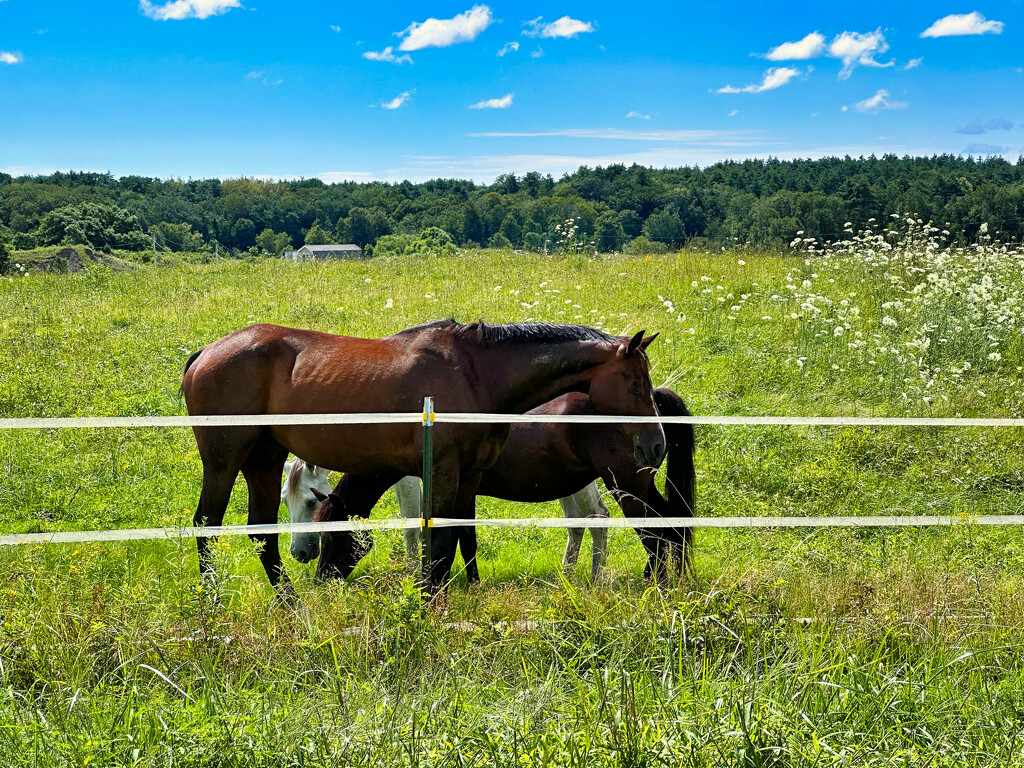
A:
(994, 357)
(889, 322)
(389, 304)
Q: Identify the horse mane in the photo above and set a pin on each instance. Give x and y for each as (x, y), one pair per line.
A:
(532, 332)
(293, 481)
(430, 325)
(486, 334)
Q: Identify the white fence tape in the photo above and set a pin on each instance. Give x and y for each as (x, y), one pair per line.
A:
(144, 534)
(320, 419)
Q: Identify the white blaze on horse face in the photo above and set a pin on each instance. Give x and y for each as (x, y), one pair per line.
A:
(297, 494)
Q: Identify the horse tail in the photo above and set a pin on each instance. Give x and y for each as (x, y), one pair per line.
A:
(188, 364)
(680, 472)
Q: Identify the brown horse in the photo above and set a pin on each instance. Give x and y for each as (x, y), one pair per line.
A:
(544, 461)
(267, 369)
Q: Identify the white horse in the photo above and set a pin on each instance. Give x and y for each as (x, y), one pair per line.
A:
(298, 497)
(296, 493)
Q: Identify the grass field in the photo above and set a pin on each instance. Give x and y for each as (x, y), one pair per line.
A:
(785, 648)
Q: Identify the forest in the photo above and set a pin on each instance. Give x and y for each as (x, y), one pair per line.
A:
(764, 203)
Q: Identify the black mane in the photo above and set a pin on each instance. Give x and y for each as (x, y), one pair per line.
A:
(533, 332)
(513, 332)
(447, 322)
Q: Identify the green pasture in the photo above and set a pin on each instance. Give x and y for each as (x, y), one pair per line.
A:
(812, 647)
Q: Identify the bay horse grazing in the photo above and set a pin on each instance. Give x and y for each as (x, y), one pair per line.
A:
(544, 461)
(269, 369)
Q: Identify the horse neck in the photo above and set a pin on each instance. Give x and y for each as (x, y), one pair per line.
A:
(528, 375)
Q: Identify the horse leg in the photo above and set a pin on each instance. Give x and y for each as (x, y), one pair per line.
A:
(574, 540)
(262, 472)
(629, 497)
(223, 451)
(590, 504)
(466, 507)
(447, 495)
(410, 499)
(467, 544)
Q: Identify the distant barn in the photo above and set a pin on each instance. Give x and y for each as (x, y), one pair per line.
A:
(310, 252)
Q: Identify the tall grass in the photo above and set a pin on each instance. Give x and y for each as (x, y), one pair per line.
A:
(785, 648)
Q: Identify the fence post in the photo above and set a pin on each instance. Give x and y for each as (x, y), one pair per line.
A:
(426, 501)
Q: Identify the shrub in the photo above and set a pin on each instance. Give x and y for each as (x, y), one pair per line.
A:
(434, 241)
(498, 240)
(642, 246)
(5, 256)
(23, 241)
(394, 245)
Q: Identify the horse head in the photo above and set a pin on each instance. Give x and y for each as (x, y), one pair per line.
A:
(302, 484)
(341, 551)
(621, 386)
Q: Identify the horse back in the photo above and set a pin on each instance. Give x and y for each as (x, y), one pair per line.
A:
(273, 369)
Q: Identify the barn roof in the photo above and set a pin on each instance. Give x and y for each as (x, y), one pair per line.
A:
(330, 248)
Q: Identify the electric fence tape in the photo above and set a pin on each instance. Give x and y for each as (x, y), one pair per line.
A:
(333, 419)
(171, 533)
(321, 419)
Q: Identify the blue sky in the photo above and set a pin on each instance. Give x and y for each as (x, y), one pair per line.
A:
(228, 88)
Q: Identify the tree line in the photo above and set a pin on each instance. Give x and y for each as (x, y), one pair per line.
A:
(759, 202)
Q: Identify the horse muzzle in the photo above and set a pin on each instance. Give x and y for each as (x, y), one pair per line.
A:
(305, 554)
(650, 452)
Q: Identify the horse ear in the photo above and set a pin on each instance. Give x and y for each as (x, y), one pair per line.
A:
(647, 342)
(320, 495)
(627, 348)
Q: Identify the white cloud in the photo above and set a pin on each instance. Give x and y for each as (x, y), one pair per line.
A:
(398, 101)
(537, 54)
(440, 33)
(913, 63)
(261, 75)
(636, 115)
(509, 48)
(11, 57)
(854, 48)
(503, 103)
(335, 28)
(187, 9)
(880, 101)
(563, 27)
(776, 77)
(811, 47)
(733, 113)
(963, 24)
(388, 54)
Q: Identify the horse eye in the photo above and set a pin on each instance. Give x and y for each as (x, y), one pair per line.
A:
(311, 503)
